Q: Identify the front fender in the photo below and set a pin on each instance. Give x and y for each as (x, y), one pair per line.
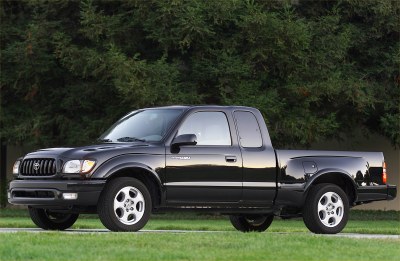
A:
(154, 165)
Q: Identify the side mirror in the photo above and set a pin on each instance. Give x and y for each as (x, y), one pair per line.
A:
(184, 139)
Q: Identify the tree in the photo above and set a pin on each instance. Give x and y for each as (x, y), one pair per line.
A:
(314, 69)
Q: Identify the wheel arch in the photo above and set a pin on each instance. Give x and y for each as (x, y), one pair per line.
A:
(338, 177)
(142, 173)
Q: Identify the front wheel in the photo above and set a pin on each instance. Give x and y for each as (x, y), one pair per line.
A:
(124, 205)
(50, 220)
(326, 210)
(249, 223)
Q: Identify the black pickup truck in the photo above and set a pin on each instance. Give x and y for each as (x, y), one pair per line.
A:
(199, 158)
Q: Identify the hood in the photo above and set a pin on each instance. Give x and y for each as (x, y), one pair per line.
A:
(100, 152)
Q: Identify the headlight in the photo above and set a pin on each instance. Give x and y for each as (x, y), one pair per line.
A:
(78, 166)
(16, 167)
(72, 166)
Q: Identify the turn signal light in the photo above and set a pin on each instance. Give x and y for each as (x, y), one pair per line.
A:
(384, 175)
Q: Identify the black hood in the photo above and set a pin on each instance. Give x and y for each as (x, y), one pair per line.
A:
(98, 151)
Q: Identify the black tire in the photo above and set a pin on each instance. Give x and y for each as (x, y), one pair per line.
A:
(50, 220)
(134, 201)
(251, 223)
(333, 214)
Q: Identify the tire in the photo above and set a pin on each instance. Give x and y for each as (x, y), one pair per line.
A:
(50, 220)
(251, 223)
(124, 205)
(326, 210)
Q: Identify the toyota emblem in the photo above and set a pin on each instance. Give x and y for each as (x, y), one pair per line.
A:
(36, 166)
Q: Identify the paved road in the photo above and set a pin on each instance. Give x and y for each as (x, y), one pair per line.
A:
(101, 231)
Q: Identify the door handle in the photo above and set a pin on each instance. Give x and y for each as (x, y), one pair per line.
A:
(230, 158)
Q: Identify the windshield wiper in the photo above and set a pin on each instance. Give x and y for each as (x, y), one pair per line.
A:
(104, 140)
(130, 139)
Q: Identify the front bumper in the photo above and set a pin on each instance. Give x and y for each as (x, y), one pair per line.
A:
(50, 192)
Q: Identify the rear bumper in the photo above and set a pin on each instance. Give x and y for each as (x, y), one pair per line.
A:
(375, 193)
(392, 192)
(51, 192)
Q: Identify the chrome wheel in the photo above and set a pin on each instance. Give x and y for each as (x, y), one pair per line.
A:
(330, 209)
(129, 205)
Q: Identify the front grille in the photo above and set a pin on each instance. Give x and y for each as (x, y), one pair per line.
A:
(38, 167)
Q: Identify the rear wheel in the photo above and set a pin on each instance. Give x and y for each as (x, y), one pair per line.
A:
(326, 210)
(51, 220)
(124, 205)
(249, 223)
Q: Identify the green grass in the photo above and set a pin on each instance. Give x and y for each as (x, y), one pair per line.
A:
(353, 226)
(374, 215)
(229, 244)
(192, 246)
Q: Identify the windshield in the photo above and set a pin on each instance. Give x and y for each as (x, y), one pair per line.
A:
(147, 125)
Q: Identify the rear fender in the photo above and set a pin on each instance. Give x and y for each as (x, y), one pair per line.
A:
(345, 172)
(335, 176)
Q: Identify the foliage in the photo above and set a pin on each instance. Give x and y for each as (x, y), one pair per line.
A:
(315, 69)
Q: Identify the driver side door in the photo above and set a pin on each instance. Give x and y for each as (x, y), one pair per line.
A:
(211, 170)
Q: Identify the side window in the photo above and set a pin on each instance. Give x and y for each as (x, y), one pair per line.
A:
(249, 130)
(211, 128)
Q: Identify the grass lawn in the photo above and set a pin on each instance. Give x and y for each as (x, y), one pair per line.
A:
(225, 245)
(192, 246)
(354, 226)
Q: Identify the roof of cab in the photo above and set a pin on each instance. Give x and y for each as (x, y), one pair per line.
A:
(234, 107)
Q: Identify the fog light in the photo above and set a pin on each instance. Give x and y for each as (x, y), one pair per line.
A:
(70, 195)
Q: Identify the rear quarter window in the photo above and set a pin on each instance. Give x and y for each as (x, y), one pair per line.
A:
(249, 130)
